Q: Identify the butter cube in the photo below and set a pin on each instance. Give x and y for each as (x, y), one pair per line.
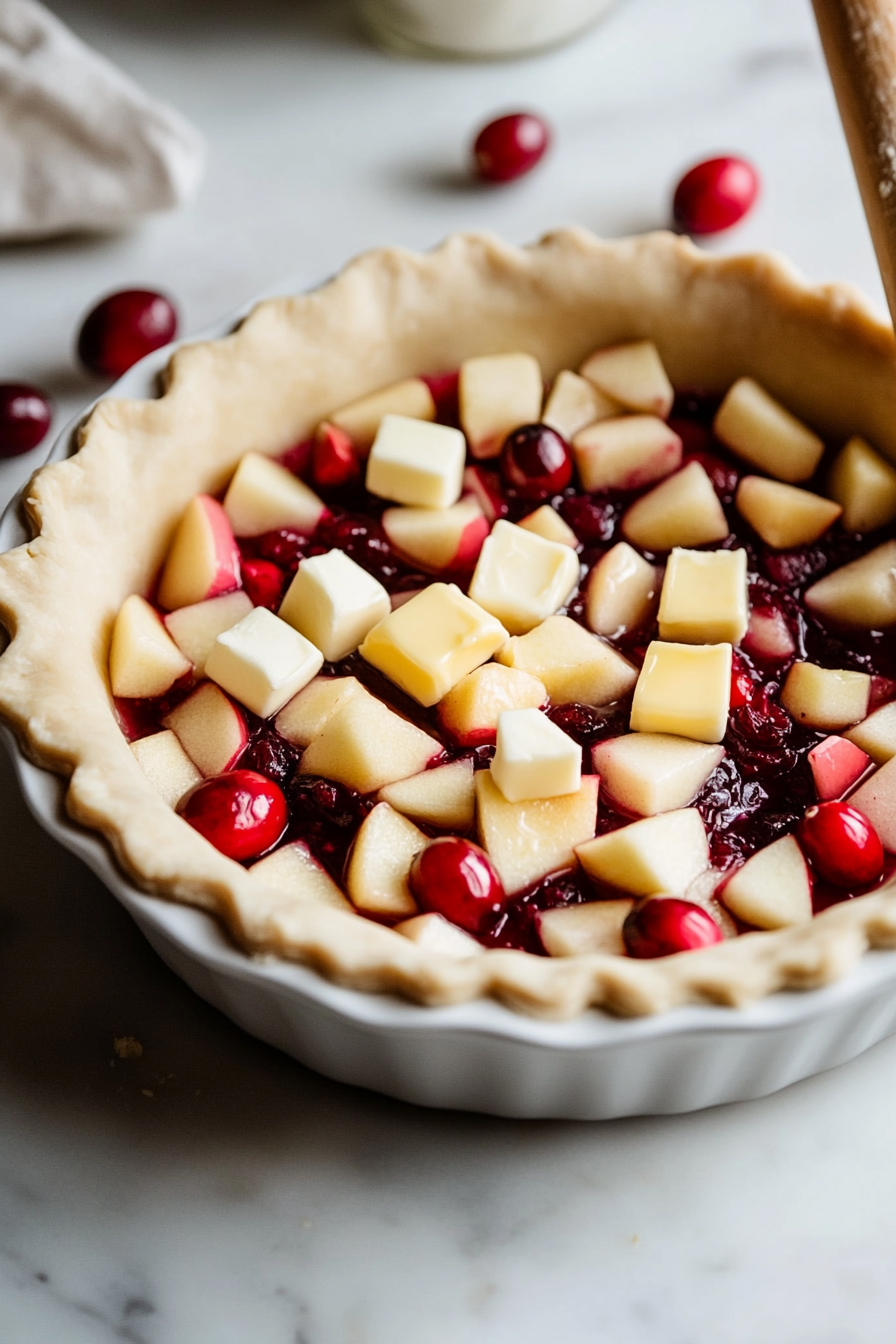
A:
(534, 758)
(262, 662)
(429, 643)
(521, 578)
(334, 602)
(704, 597)
(684, 689)
(416, 462)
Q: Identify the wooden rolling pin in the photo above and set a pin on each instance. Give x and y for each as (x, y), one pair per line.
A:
(859, 40)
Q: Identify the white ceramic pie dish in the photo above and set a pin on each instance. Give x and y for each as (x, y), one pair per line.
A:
(479, 1056)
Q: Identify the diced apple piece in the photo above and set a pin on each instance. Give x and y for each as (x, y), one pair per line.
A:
(521, 578)
(865, 485)
(683, 510)
(627, 453)
(877, 734)
(876, 799)
(659, 854)
(647, 773)
(210, 728)
(203, 559)
(438, 540)
(361, 419)
(496, 394)
(782, 515)
(768, 636)
(684, 689)
(438, 934)
(837, 764)
(773, 889)
(427, 645)
(442, 797)
(704, 597)
(470, 711)
(264, 496)
(262, 662)
(294, 872)
(632, 374)
(574, 402)
(860, 595)
(415, 462)
(144, 660)
(485, 487)
(822, 697)
(758, 428)
(534, 757)
(381, 858)
(335, 603)
(194, 629)
(304, 716)
(166, 765)
(526, 841)
(582, 930)
(574, 666)
(366, 745)
(546, 522)
(622, 592)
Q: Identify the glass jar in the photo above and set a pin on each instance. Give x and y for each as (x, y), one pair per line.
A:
(476, 29)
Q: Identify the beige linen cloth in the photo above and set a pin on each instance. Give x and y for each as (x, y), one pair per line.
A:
(81, 146)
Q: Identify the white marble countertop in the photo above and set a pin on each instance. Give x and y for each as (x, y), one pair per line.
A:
(211, 1191)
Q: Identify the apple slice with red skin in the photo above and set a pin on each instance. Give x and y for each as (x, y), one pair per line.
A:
(439, 541)
(768, 638)
(203, 560)
(194, 629)
(334, 460)
(485, 485)
(166, 765)
(470, 711)
(144, 660)
(210, 728)
(836, 765)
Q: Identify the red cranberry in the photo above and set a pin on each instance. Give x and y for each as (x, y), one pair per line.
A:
(124, 327)
(883, 689)
(741, 683)
(662, 925)
(536, 461)
(592, 520)
(841, 844)
(263, 581)
(455, 878)
(283, 547)
(25, 416)
(715, 194)
(334, 460)
(241, 813)
(444, 390)
(510, 146)
(297, 458)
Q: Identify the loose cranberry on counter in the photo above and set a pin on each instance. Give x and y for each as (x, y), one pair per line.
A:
(536, 462)
(124, 327)
(455, 878)
(263, 581)
(241, 813)
(841, 845)
(510, 146)
(662, 925)
(714, 195)
(25, 416)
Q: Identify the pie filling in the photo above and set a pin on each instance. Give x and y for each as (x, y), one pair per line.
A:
(606, 669)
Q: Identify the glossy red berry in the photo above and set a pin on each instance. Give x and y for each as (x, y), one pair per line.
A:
(455, 878)
(263, 581)
(333, 458)
(510, 146)
(714, 195)
(241, 813)
(536, 461)
(741, 683)
(662, 925)
(124, 327)
(841, 845)
(25, 416)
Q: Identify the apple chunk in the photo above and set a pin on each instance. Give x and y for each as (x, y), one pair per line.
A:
(203, 559)
(759, 429)
(470, 711)
(295, 874)
(782, 515)
(144, 660)
(627, 453)
(361, 419)
(821, 697)
(877, 734)
(438, 540)
(581, 930)
(683, 510)
(366, 745)
(622, 593)
(768, 638)
(264, 496)
(496, 394)
(437, 934)
(381, 858)
(659, 854)
(546, 522)
(647, 773)
(525, 841)
(860, 595)
(836, 765)
(302, 718)
(865, 485)
(442, 797)
(210, 728)
(773, 889)
(194, 629)
(632, 374)
(876, 799)
(166, 765)
(574, 402)
(573, 665)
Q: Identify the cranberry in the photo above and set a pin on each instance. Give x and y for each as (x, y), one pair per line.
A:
(283, 547)
(510, 146)
(297, 458)
(271, 755)
(536, 461)
(241, 813)
(263, 581)
(124, 327)
(841, 844)
(592, 520)
(741, 683)
(455, 878)
(714, 195)
(334, 460)
(25, 417)
(586, 725)
(443, 388)
(662, 925)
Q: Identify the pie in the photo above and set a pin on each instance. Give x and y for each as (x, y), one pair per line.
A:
(584, 550)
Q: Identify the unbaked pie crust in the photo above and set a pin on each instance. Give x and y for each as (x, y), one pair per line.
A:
(101, 522)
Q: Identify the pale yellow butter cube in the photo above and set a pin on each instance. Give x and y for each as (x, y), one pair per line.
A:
(334, 602)
(827, 698)
(534, 758)
(684, 689)
(704, 597)
(262, 662)
(416, 462)
(429, 643)
(521, 578)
